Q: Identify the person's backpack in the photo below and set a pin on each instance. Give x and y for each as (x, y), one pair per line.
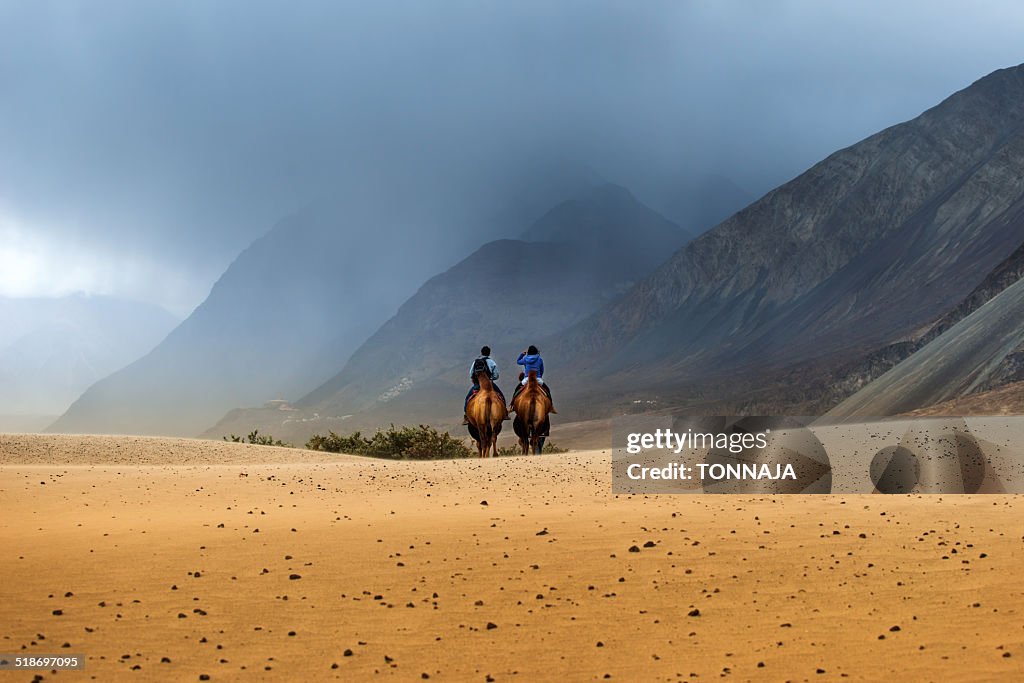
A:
(480, 367)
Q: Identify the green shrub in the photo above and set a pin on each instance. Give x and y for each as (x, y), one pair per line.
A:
(257, 439)
(549, 449)
(334, 443)
(405, 443)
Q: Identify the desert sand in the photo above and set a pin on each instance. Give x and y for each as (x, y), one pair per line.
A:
(193, 560)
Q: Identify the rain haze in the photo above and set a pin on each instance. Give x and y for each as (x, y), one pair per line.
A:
(143, 145)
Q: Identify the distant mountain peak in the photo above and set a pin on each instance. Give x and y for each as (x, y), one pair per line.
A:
(605, 211)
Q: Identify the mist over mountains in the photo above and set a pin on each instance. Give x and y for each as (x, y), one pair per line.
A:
(282, 316)
(578, 256)
(53, 349)
(293, 306)
(791, 304)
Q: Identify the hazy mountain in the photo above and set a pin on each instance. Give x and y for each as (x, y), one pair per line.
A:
(862, 250)
(289, 311)
(284, 315)
(610, 229)
(52, 349)
(701, 204)
(504, 294)
(507, 294)
(532, 192)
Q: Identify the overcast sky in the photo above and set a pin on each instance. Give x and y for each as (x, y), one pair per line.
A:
(144, 144)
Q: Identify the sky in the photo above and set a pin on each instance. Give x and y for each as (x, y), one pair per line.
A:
(144, 144)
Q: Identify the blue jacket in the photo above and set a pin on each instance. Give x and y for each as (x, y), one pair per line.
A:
(531, 362)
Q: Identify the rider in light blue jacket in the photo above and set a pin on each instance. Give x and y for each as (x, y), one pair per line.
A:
(492, 371)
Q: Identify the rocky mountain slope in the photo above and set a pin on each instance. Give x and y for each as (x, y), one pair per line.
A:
(814, 388)
(865, 249)
(959, 362)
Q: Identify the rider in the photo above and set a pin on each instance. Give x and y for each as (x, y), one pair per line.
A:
(530, 360)
(482, 363)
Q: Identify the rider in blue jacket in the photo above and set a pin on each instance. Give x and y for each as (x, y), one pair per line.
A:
(530, 360)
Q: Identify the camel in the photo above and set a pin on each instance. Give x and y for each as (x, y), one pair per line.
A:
(486, 411)
(532, 407)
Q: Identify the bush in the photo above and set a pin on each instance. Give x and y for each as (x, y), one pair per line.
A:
(549, 449)
(405, 443)
(258, 440)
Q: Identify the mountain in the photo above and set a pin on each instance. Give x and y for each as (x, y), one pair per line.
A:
(503, 294)
(525, 194)
(52, 349)
(704, 202)
(292, 307)
(863, 250)
(815, 388)
(578, 256)
(963, 360)
(975, 349)
(283, 316)
(609, 229)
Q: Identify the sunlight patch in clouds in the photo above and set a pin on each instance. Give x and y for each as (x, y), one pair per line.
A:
(33, 265)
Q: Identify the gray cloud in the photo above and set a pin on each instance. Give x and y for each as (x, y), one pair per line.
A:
(172, 134)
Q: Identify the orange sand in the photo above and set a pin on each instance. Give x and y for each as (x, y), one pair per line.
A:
(338, 567)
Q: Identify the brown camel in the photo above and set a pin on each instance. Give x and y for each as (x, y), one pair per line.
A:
(532, 406)
(486, 411)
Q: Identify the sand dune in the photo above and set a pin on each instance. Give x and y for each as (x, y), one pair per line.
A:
(280, 564)
(78, 449)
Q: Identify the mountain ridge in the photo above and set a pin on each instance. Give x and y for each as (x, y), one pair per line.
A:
(831, 263)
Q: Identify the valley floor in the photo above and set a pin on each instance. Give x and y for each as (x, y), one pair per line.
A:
(290, 565)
